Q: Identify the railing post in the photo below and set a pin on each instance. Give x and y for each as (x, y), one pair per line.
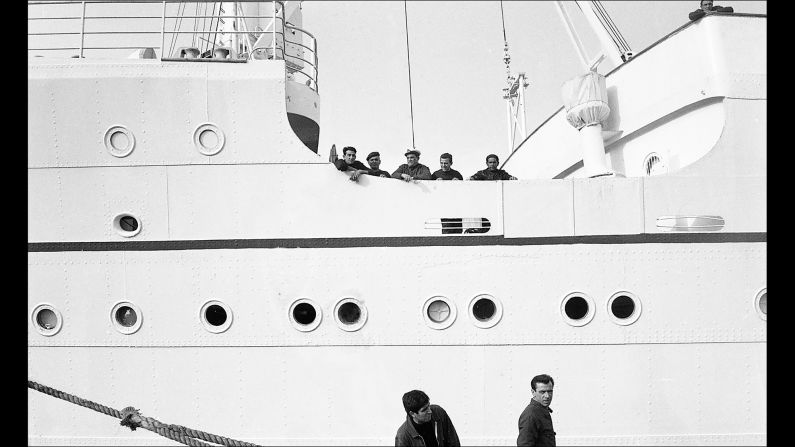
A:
(163, 32)
(317, 71)
(273, 40)
(82, 29)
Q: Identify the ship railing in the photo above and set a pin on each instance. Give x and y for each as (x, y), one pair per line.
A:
(165, 29)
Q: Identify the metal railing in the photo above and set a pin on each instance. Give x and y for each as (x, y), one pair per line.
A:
(102, 28)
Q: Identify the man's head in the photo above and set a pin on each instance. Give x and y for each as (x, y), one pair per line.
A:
(418, 406)
(492, 161)
(542, 386)
(706, 5)
(349, 154)
(412, 157)
(445, 161)
(374, 160)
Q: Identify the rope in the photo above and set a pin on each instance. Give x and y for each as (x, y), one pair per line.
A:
(177, 27)
(408, 57)
(131, 418)
(607, 21)
(504, 38)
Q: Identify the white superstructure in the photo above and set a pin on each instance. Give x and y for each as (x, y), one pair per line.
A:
(151, 193)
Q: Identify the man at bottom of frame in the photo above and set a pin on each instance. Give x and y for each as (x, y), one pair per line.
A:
(535, 423)
(426, 425)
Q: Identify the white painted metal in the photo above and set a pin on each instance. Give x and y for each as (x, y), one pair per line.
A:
(264, 380)
(573, 35)
(713, 96)
(604, 34)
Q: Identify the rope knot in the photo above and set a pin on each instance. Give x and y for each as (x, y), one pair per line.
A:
(130, 418)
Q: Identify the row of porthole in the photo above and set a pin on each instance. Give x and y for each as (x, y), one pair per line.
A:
(439, 312)
(207, 138)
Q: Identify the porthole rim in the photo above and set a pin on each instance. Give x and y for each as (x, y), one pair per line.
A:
(305, 327)
(117, 226)
(118, 326)
(123, 129)
(197, 138)
(497, 311)
(211, 328)
(635, 313)
(362, 317)
(443, 324)
(757, 298)
(58, 319)
(588, 316)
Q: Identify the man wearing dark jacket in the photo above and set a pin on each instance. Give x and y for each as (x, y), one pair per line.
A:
(535, 423)
(426, 425)
(705, 7)
(492, 173)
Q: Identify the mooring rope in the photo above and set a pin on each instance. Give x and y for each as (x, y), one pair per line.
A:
(130, 417)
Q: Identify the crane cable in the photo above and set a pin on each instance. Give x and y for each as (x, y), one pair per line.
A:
(408, 57)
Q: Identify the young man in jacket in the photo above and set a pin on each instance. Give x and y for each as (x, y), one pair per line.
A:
(491, 172)
(535, 423)
(705, 7)
(426, 425)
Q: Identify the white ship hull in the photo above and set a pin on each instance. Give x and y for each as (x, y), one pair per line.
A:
(263, 223)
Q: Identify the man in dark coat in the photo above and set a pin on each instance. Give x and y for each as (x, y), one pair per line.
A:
(492, 173)
(535, 423)
(426, 425)
(446, 172)
(412, 169)
(348, 162)
(374, 160)
(706, 7)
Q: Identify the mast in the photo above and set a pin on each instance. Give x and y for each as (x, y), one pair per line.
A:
(513, 94)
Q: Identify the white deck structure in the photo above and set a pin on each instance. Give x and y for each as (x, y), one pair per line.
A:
(260, 226)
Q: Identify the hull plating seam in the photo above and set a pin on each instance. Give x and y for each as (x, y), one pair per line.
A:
(437, 241)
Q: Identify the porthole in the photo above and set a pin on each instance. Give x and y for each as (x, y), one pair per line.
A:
(305, 315)
(485, 311)
(208, 139)
(119, 141)
(215, 316)
(577, 309)
(439, 312)
(760, 304)
(46, 319)
(126, 225)
(350, 314)
(623, 308)
(126, 317)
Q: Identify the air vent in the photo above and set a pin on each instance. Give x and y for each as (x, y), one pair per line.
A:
(459, 225)
(654, 165)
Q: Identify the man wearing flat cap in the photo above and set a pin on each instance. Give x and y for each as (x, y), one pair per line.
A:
(412, 169)
(491, 172)
(374, 160)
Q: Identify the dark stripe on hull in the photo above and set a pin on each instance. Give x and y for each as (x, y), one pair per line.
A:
(430, 241)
